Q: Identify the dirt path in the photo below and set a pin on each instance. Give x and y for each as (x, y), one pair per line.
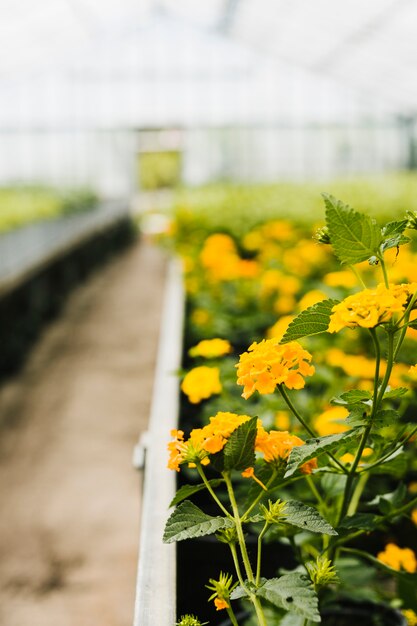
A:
(69, 496)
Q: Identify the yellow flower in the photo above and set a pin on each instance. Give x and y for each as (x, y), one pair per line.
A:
(203, 441)
(398, 558)
(414, 516)
(282, 420)
(340, 279)
(201, 383)
(368, 308)
(331, 421)
(410, 616)
(278, 330)
(220, 604)
(284, 304)
(310, 298)
(200, 317)
(211, 348)
(276, 446)
(412, 372)
(190, 451)
(268, 364)
(219, 257)
(349, 458)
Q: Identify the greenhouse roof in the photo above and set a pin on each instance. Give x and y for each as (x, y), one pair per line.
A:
(124, 63)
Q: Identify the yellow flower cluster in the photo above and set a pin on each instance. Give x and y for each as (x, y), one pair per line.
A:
(220, 259)
(276, 446)
(211, 348)
(203, 441)
(268, 364)
(369, 307)
(410, 616)
(201, 382)
(331, 421)
(398, 558)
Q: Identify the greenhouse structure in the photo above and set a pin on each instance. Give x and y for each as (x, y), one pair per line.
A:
(208, 313)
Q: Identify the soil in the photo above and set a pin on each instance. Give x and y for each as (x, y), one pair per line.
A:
(69, 496)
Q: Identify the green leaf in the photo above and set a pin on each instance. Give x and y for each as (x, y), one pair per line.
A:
(307, 518)
(394, 228)
(361, 521)
(188, 490)
(311, 321)
(188, 521)
(316, 447)
(395, 393)
(394, 242)
(395, 465)
(386, 417)
(355, 237)
(292, 592)
(302, 516)
(239, 451)
(353, 396)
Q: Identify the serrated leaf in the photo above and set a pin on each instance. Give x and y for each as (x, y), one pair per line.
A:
(394, 242)
(311, 321)
(239, 451)
(355, 237)
(316, 447)
(361, 521)
(302, 516)
(188, 490)
(292, 592)
(386, 417)
(395, 465)
(353, 396)
(394, 228)
(306, 517)
(395, 393)
(238, 593)
(188, 521)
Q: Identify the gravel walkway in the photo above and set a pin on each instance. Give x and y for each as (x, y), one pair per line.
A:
(69, 496)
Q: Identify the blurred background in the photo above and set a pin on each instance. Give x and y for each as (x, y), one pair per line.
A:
(118, 95)
(109, 108)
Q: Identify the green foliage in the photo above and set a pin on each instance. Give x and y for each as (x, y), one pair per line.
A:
(312, 321)
(189, 490)
(302, 516)
(292, 592)
(355, 237)
(316, 447)
(239, 451)
(188, 521)
(23, 205)
(353, 396)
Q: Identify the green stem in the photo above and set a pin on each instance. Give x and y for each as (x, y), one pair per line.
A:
(305, 425)
(356, 496)
(404, 327)
(315, 491)
(259, 496)
(259, 556)
(245, 558)
(384, 270)
(210, 490)
(232, 616)
(386, 456)
(237, 564)
(358, 276)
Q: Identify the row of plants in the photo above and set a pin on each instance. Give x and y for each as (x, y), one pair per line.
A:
(295, 450)
(21, 205)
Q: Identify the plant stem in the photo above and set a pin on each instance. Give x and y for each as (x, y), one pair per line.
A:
(232, 616)
(406, 318)
(356, 496)
(237, 564)
(384, 269)
(210, 490)
(304, 424)
(248, 568)
(315, 490)
(259, 496)
(259, 556)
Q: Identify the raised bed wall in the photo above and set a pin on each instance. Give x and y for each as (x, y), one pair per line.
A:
(39, 265)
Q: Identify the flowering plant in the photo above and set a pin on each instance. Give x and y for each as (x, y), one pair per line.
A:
(250, 472)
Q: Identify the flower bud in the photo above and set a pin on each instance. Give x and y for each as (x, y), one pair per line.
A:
(275, 512)
(412, 219)
(322, 235)
(322, 572)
